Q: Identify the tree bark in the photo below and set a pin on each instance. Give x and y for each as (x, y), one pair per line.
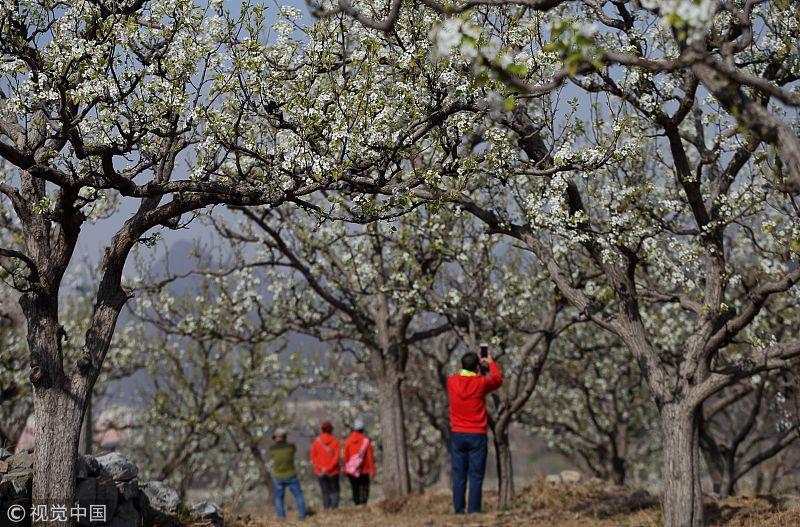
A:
(263, 469)
(86, 442)
(618, 470)
(58, 422)
(683, 497)
(728, 486)
(713, 457)
(505, 467)
(58, 406)
(396, 476)
(619, 453)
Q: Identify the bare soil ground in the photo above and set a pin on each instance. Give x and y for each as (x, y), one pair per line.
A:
(589, 504)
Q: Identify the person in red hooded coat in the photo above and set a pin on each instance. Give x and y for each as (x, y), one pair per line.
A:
(325, 455)
(468, 419)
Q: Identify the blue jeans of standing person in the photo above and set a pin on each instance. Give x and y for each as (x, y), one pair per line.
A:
(293, 484)
(468, 452)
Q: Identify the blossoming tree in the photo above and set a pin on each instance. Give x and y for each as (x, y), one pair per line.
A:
(668, 173)
(359, 285)
(593, 407)
(102, 103)
(748, 425)
(210, 408)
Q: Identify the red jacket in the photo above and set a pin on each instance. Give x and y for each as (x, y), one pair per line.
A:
(351, 447)
(468, 399)
(325, 455)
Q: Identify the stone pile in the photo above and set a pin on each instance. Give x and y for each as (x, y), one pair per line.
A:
(110, 480)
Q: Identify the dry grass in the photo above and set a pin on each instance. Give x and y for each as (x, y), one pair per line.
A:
(590, 504)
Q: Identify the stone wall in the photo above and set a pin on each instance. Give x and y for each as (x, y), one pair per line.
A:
(110, 480)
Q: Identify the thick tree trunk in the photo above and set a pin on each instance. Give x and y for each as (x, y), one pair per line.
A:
(58, 424)
(683, 497)
(396, 476)
(58, 407)
(86, 442)
(505, 467)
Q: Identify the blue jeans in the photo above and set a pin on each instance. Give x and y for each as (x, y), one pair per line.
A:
(294, 487)
(468, 453)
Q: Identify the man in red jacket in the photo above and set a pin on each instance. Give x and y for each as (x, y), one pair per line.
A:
(325, 454)
(468, 420)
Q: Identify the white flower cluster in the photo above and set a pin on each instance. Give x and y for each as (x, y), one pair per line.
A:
(694, 16)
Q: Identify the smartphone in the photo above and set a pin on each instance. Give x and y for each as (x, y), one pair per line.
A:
(484, 350)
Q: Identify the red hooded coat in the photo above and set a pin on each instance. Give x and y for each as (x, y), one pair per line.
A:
(325, 455)
(351, 447)
(468, 399)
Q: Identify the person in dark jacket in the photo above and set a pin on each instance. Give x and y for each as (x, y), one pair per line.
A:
(284, 474)
(468, 419)
(325, 455)
(359, 463)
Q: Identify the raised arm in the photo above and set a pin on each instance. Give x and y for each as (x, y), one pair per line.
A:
(495, 378)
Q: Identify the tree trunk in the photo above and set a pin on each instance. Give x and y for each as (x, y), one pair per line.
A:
(446, 476)
(618, 470)
(58, 407)
(768, 486)
(728, 484)
(505, 467)
(683, 497)
(714, 465)
(58, 424)
(86, 442)
(263, 471)
(396, 476)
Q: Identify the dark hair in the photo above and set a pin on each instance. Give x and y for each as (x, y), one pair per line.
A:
(469, 361)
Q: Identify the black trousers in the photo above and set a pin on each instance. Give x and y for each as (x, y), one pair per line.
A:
(360, 486)
(329, 485)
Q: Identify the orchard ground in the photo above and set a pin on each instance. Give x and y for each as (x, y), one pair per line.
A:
(589, 504)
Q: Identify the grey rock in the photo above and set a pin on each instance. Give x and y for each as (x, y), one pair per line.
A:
(17, 482)
(81, 468)
(98, 491)
(94, 467)
(119, 467)
(128, 489)
(22, 481)
(161, 497)
(20, 460)
(5, 453)
(207, 513)
(85, 491)
(126, 516)
(107, 495)
(571, 476)
(88, 467)
(553, 479)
